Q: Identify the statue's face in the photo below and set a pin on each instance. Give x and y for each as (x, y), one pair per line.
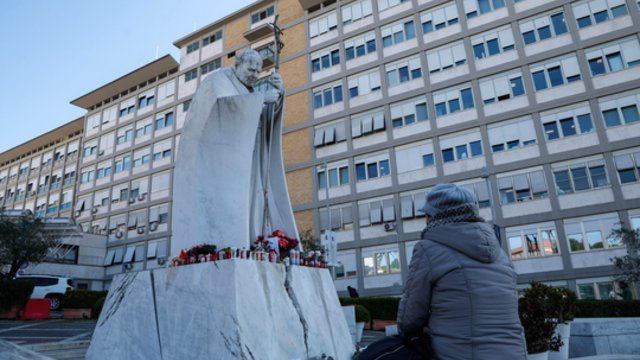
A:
(248, 70)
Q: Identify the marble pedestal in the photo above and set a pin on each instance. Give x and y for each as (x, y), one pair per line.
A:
(230, 309)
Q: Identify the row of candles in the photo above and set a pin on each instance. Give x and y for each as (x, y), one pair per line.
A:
(313, 258)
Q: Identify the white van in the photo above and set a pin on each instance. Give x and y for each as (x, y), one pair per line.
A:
(50, 287)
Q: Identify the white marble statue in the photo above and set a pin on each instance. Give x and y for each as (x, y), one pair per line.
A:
(230, 152)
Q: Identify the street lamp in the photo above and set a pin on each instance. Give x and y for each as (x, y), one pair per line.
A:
(484, 173)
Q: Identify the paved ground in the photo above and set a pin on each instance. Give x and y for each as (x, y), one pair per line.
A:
(47, 331)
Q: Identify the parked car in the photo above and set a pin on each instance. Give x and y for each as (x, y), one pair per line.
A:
(50, 287)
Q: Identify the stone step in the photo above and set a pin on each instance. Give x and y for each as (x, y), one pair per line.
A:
(62, 350)
(70, 354)
(58, 345)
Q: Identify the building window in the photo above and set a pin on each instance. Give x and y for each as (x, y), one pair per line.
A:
(453, 100)
(360, 45)
(372, 169)
(440, 18)
(143, 127)
(212, 38)
(580, 177)
(522, 187)
(261, 15)
(380, 261)
(363, 83)
(329, 135)
(411, 203)
(168, 89)
(534, 240)
(87, 176)
(604, 290)
(508, 135)
(543, 27)
(211, 66)
(323, 24)
(89, 150)
(501, 87)
(356, 11)
(190, 75)
(446, 57)
(461, 147)
(368, 123)
(588, 13)
(193, 47)
(127, 107)
(493, 42)
(385, 4)
(622, 110)
(592, 233)
(376, 212)
(403, 71)
(414, 156)
(397, 33)
(327, 96)
(124, 135)
(628, 167)
(409, 112)
(333, 177)
(146, 100)
(554, 73)
(474, 8)
(122, 164)
(612, 57)
(165, 120)
(566, 122)
(104, 171)
(338, 218)
(325, 59)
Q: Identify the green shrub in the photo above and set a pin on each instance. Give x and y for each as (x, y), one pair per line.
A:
(81, 299)
(607, 308)
(15, 292)
(97, 307)
(362, 314)
(538, 317)
(380, 308)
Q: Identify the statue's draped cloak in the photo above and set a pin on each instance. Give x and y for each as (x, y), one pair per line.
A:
(221, 161)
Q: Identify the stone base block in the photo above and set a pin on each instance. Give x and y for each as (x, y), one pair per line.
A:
(604, 336)
(231, 309)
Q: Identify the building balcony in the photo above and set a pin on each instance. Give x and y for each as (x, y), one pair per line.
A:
(258, 32)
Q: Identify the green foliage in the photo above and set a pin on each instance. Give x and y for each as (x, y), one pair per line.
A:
(82, 299)
(628, 266)
(97, 307)
(562, 301)
(308, 241)
(15, 292)
(607, 308)
(22, 238)
(380, 308)
(539, 318)
(362, 314)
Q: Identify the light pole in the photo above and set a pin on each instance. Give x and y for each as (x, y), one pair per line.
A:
(484, 173)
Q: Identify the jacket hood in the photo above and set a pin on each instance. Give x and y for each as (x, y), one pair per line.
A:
(474, 239)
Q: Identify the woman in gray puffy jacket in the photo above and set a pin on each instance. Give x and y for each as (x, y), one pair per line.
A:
(460, 291)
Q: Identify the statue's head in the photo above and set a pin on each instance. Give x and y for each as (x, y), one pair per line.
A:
(248, 67)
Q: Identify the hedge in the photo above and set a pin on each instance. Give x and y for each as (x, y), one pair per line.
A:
(15, 292)
(380, 308)
(97, 307)
(607, 308)
(81, 299)
(386, 308)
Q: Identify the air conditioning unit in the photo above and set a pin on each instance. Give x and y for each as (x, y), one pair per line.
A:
(389, 226)
(141, 197)
(128, 266)
(119, 234)
(153, 226)
(101, 152)
(78, 213)
(132, 200)
(140, 230)
(94, 210)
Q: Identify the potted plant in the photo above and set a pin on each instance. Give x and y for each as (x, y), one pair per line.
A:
(14, 294)
(362, 316)
(563, 300)
(538, 319)
(78, 304)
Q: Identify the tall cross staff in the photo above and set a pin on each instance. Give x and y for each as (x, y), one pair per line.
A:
(272, 110)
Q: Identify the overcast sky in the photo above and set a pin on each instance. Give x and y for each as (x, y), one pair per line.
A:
(55, 51)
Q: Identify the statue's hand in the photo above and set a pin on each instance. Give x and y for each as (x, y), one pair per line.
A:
(276, 81)
(271, 96)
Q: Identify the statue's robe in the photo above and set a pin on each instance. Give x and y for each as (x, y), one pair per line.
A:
(222, 159)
